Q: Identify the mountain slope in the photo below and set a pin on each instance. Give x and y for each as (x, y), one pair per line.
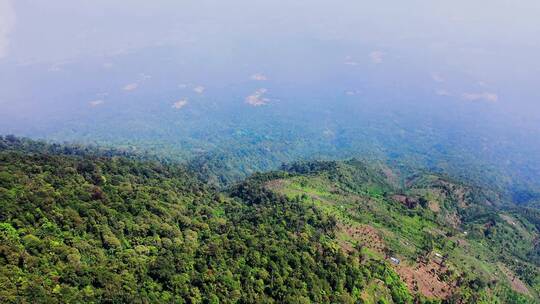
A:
(91, 228)
(452, 239)
(90, 225)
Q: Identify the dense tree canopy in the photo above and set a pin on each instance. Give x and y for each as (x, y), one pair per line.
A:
(81, 224)
(83, 228)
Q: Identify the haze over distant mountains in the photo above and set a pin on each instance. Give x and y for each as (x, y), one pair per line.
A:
(444, 86)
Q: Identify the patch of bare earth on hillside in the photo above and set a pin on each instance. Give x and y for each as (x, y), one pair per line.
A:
(363, 235)
(276, 184)
(453, 219)
(515, 282)
(458, 192)
(510, 220)
(425, 278)
(391, 177)
(434, 206)
(462, 243)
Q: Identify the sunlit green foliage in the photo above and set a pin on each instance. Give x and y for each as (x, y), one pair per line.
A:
(89, 227)
(427, 213)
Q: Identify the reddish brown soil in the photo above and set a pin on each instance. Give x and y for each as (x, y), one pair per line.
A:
(462, 243)
(363, 234)
(424, 278)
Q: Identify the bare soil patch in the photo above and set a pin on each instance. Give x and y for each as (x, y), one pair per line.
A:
(425, 278)
(276, 184)
(434, 206)
(515, 282)
(364, 235)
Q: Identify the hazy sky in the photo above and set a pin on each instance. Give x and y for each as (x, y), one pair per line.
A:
(473, 51)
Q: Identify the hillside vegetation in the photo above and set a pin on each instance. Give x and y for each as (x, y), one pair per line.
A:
(453, 240)
(90, 228)
(90, 225)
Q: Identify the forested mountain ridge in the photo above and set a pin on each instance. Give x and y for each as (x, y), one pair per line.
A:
(80, 225)
(79, 228)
